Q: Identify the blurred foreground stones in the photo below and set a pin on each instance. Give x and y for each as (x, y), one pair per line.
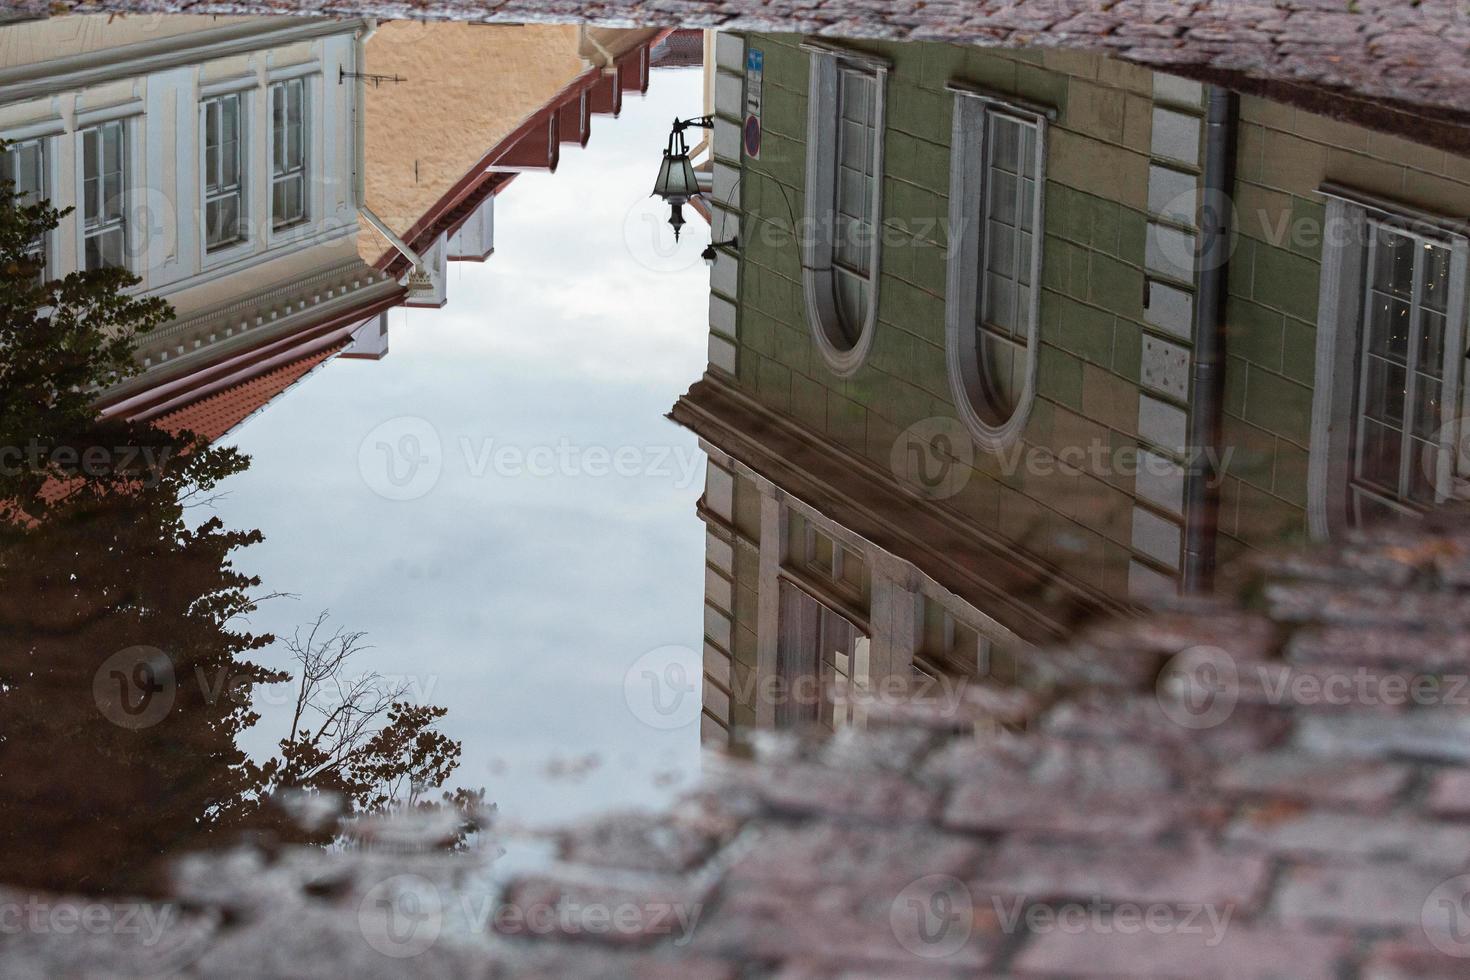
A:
(1390, 64)
(1273, 786)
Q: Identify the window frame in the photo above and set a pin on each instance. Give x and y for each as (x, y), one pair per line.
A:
(1339, 382)
(43, 242)
(302, 172)
(240, 189)
(89, 229)
(844, 345)
(993, 427)
(1451, 388)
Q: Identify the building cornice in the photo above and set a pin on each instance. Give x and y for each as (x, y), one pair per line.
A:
(57, 75)
(1033, 599)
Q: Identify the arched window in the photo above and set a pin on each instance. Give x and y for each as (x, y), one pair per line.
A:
(844, 197)
(997, 179)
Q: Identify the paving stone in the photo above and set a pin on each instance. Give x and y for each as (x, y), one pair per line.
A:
(1366, 606)
(1449, 794)
(637, 841)
(816, 789)
(1156, 874)
(1317, 779)
(1319, 833)
(1062, 764)
(1438, 734)
(833, 853)
(1108, 816)
(832, 922)
(1368, 896)
(1241, 952)
(1430, 650)
(816, 968)
(1402, 961)
(628, 913)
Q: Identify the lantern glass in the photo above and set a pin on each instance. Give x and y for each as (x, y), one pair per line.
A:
(676, 178)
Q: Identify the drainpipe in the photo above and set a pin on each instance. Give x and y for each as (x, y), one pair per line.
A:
(1202, 476)
(418, 278)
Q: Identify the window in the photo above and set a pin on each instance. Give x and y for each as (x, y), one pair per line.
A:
(996, 181)
(852, 234)
(1388, 406)
(104, 174)
(23, 165)
(844, 181)
(819, 652)
(224, 211)
(1401, 458)
(1012, 202)
(288, 153)
(826, 562)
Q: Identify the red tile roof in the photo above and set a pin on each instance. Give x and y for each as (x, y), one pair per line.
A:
(215, 415)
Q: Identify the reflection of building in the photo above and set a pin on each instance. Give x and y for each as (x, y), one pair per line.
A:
(226, 162)
(977, 396)
(213, 159)
(440, 145)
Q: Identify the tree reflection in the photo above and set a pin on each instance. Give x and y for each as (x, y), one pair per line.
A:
(125, 661)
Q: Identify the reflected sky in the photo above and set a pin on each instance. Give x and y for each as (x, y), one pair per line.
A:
(518, 590)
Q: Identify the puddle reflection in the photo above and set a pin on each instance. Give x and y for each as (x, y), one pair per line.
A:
(992, 343)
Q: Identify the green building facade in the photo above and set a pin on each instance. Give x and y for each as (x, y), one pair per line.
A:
(993, 507)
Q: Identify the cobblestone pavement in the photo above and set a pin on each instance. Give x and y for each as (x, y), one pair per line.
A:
(1269, 788)
(1363, 59)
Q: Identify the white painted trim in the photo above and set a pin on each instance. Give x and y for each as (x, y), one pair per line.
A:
(228, 86)
(1339, 330)
(1011, 102)
(862, 59)
(768, 597)
(287, 72)
(38, 129)
(963, 280)
(87, 118)
(61, 75)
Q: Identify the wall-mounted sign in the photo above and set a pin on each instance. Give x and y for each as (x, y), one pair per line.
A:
(755, 73)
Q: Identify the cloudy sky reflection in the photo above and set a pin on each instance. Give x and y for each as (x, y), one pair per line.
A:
(521, 587)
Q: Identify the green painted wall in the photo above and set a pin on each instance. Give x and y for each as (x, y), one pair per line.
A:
(1091, 316)
(1093, 324)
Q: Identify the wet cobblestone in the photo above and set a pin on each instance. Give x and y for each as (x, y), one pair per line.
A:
(1392, 58)
(1324, 840)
